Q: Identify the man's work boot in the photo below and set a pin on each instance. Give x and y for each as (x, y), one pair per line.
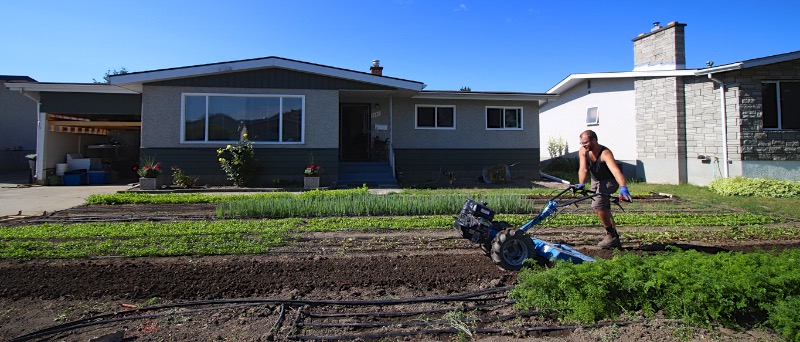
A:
(611, 240)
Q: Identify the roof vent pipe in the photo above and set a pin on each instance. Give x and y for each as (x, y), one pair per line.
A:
(656, 26)
(724, 117)
(376, 68)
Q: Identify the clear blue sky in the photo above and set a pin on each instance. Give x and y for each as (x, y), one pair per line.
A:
(496, 45)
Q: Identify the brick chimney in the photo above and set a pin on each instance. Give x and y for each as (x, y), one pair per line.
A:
(663, 48)
(376, 68)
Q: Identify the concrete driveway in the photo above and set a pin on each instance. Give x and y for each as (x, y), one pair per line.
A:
(17, 196)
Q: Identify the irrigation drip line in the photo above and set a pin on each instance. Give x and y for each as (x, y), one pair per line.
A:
(128, 315)
(453, 331)
(482, 319)
(405, 313)
(88, 322)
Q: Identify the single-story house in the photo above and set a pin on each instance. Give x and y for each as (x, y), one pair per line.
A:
(664, 122)
(361, 127)
(18, 128)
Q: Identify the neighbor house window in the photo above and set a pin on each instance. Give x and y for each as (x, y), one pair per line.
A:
(225, 118)
(780, 103)
(436, 117)
(592, 116)
(504, 118)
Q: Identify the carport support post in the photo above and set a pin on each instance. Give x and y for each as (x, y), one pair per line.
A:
(41, 129)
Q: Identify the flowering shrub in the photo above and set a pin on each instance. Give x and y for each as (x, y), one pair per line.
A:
(149, 169)
(239, 162)
(313, 168)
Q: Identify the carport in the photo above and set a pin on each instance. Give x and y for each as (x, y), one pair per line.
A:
(93, 127)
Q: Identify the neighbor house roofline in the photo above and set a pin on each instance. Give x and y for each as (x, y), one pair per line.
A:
(98, 88)
(750, 63)
(483, 95)
(134, 80)
(575, 79)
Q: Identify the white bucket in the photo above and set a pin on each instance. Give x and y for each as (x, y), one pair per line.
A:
(60, 169)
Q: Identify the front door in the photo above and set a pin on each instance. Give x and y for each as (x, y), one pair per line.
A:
(354, 132)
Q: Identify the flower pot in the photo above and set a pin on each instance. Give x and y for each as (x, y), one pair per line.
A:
(310, 182)
(149, 184)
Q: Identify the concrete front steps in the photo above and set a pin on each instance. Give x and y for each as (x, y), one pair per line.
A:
(373, 174)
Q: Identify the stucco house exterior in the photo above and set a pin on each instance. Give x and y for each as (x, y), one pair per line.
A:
(361, 127)
(18, 128)
(668, 124)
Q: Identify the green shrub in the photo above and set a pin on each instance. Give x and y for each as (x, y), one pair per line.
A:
(784, 317)
(239, 162)
(757, 187)
(181, 179)
(698, 288)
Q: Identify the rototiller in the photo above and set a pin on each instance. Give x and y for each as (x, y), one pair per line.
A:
(509, 246)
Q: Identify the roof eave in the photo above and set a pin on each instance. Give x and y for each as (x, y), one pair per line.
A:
(485, 96)
(100, 88)
(134, 79)
(575, 79)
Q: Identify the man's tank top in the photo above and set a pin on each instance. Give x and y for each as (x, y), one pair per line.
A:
(598, 169)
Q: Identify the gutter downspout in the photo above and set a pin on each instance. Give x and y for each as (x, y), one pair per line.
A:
(724, 117)
(391, 136)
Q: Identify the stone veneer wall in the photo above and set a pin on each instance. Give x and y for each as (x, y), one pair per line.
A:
(757, 143)
(663, 48)
(703, 129)
(660, 118)
(660, 126)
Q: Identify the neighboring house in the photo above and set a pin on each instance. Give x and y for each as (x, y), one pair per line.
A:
(18, 128)
(664, 122)
(294, 111)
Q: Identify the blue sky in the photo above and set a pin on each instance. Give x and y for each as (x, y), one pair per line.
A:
(525, 46)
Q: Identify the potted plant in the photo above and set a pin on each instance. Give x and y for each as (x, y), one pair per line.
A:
(311, 179)
(148, 174)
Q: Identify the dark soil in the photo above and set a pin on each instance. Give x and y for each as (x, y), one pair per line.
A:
(387, 286)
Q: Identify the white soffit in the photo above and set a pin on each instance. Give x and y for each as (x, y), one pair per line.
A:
(575, 79)
(97, 88)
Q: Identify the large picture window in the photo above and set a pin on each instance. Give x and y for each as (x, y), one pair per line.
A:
(436, 117)
(780, 103)
(225, 118)
(503, 118)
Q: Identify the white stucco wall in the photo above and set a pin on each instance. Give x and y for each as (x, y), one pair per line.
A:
(161, 116)
(566, 117)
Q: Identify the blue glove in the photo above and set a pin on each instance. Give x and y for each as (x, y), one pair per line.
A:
(623, 192)
(579, 186)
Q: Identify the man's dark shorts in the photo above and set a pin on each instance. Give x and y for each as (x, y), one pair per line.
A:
(608, 186)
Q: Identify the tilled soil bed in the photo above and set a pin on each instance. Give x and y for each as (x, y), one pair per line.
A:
(380, 285)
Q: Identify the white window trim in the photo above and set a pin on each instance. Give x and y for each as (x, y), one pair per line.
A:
(435, 120)
(503, 108)
(778, 109)
(217, 142)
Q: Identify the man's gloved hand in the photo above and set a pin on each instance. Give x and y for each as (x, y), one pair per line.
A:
(623, 192)
(579, 186)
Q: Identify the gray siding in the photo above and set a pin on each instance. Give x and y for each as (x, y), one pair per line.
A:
(286, 165)
(18, 129)
(470, 132)
(427, 165)
(270, 78)
(90, 103)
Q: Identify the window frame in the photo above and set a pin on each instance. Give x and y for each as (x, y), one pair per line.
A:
(436, 116)
(207, 96)
(593, 116)
(778, 108)
(520, 116)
